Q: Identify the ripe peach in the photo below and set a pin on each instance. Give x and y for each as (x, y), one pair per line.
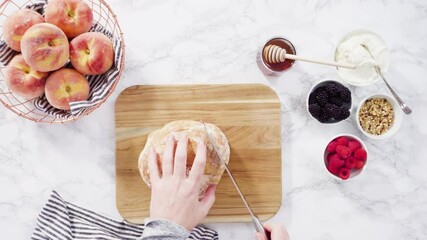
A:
(45, 47)
(16, 25)
(23, 80)
(74, 17)
(64, 86)
(91, 53)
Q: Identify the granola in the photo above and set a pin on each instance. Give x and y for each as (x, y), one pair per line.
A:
(376, 116)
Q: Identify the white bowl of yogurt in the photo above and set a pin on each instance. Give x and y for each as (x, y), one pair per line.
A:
(366, 50)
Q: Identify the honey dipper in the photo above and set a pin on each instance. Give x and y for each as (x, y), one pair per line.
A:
(275, 54)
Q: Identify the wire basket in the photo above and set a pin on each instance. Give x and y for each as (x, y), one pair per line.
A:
(103, 18)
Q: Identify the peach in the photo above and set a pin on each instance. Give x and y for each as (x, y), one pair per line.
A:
(45, 47)
(16, 25)
(64, 86)
(74, 17)
(91, 53)
(23, 80)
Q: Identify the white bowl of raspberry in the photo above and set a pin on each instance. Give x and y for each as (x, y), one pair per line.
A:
(329, 101)
(345, 157)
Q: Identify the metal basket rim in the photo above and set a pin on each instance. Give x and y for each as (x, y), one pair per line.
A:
(110, 91)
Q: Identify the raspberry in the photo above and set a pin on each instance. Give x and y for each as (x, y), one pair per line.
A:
(350, 162)
(333, 169)
(335, 163)
(335, 160)
(328, 158)
(343, 151)
(345, 95)
(342, 141)
(332, 146)
(359, 154)
(353, 145)
(314, 110)
(344, 173)
(359, 164)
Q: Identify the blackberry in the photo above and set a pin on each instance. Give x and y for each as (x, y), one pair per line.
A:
(345, 95)
(323, 118)
(321, 98)
(314, 110)
(312, 99)
(331, 110)
(321, 89)
(343, 114)
(332, 89)
(336, 101)
(337, 113)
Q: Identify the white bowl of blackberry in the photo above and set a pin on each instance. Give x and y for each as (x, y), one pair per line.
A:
(329, 101)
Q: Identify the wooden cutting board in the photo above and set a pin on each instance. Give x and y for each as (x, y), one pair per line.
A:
(248, 114)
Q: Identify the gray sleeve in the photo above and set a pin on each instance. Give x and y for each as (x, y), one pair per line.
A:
(164, 230)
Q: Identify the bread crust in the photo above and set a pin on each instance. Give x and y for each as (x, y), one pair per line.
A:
(196, 134)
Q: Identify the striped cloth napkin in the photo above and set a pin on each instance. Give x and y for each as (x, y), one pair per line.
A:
(63, 220)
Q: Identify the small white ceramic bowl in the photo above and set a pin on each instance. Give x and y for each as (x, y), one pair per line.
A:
(398, 116)
(379, 40)
(315, 86)
(354, 173)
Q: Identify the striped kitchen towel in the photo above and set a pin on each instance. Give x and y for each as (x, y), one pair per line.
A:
(63, 220)
(100, 85)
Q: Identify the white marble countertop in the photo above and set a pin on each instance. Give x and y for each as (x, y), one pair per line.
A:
(217, 42)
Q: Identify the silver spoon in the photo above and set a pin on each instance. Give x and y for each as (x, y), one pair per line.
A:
(401, 103)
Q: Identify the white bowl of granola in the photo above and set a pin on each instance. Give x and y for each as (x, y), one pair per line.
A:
(379, 116)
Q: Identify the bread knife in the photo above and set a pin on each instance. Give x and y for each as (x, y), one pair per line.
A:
(255, 220)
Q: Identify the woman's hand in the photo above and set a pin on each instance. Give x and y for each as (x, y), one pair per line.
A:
(278, 232)
(174, 195)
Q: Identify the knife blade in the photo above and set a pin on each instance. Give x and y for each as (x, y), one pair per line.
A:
(255, 220)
